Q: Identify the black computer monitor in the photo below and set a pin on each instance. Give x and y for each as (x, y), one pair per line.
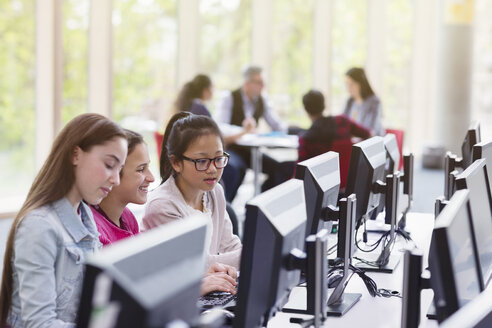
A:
(321, 178)
(392, 153)
(391, 166)
(471, 138)
(144, 281)
(475, 314)
(275, 225)
(366, 168)
(475, 179)
(483, 150)
(452, 259)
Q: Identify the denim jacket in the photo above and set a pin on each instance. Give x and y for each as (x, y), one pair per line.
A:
(50, 246)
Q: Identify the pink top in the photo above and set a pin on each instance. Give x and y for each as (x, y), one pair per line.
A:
(109, 231)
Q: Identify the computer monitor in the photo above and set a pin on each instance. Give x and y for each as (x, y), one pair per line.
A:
(391, 166)
(475, 314)
(366, 168)
(275, 225)
(452, 259)
(475, 179)
(144, 281)
(471, 138)
(483, 150)
(321, 178)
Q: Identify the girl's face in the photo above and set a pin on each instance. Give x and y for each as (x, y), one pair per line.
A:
(353, 87)
(206, 146)
(208, 93)
(97, 171)
(135, 177)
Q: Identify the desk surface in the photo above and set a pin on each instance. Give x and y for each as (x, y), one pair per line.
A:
(378, 311)
(270, 140)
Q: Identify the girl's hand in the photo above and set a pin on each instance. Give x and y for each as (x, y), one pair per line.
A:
(224, 268)
(218, 281)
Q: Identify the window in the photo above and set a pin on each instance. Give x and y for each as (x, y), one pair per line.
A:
(225, 41)
(75, 32)
(291, 71)
(144, 58)
(17, 59)
(397, 69)
(349, 46)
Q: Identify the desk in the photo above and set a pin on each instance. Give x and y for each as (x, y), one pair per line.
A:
(256, 141)
(378, 311)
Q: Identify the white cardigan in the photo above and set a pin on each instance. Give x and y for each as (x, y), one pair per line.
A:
(166, 203)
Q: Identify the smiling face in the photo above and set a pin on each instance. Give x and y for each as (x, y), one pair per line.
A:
(97, 171)
(189, 180)
(135, 177)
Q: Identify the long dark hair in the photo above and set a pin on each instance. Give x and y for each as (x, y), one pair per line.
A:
(54, 181)
(182, 129)
(359, 75)
(190, 91)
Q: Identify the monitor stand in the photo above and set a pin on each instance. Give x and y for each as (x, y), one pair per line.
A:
(394, 259)
(431, 312)
(347, 302)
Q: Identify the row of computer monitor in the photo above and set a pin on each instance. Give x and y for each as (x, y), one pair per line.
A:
(145, 282)
(460, 258)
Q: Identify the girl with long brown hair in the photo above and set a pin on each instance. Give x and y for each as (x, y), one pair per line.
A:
(54, 230)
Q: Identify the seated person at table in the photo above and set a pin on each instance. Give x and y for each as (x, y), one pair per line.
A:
(191, 165)
(239, 108)
(363, 106)
(325, 129)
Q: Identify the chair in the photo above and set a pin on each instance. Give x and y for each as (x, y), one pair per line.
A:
(344, 150)
(399, 134)
(158, 142)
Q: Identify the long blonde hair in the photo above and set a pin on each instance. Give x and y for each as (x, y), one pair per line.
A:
(54, 181)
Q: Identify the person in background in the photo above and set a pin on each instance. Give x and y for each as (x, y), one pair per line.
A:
(243, 107)
(113, 219)
(363, 106)
(54, 231)
(194, 94)
(191, 164)
(325, 129)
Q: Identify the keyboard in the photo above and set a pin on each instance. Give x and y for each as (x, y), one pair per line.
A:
(220, 299)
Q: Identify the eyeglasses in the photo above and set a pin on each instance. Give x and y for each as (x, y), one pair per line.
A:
(202, 164)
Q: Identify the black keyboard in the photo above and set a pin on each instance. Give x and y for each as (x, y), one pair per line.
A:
(221, 299)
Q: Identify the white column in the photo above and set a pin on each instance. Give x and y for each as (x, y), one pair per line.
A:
(49, 65)
(188, 40)
(261, 37)
(100, 63)
(454, 71)
(323, 11)
(423, 75)
(376, 43)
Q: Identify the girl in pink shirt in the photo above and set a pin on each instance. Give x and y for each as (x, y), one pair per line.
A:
(113, 219)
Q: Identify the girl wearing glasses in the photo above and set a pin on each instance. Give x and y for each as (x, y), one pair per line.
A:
(191, 164)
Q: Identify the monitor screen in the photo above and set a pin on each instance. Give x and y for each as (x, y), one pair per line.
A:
(392, 153)
(143, 281)
(321, 178)
(367, 165)
(474, 178)
(483, 150)
(476, 314)
(452, 259)
(275, 225)
(471, 138)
